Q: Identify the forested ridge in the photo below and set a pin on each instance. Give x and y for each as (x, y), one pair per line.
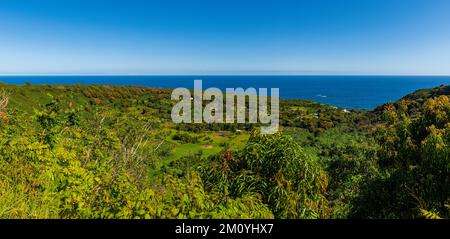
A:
(101, 151)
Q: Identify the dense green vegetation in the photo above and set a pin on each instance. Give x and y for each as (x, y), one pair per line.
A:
(99, 151)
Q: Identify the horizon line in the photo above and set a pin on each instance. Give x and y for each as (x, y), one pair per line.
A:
(216, 74)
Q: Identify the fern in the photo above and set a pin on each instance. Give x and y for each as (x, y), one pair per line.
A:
(429, 214)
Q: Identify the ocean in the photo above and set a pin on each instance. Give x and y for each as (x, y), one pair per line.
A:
(350, 92)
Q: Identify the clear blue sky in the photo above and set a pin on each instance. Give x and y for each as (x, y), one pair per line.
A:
(225, 36)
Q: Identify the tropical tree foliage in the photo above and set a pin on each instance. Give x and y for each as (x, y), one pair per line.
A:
(112, 152)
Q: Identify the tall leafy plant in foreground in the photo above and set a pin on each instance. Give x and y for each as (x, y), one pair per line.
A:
(415, 157)
(274, 166)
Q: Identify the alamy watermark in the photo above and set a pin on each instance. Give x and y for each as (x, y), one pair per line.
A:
(235, 105)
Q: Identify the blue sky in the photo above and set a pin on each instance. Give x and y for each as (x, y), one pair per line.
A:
(225, 37)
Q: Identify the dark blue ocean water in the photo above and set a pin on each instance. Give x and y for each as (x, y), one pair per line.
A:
(353, 92)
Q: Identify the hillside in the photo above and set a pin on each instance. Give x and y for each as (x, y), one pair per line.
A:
(429, 93)
(102, 151)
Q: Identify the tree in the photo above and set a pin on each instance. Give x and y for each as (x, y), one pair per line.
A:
(290, 181)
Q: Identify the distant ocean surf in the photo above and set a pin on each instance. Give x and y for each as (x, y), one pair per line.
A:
(350, 92)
